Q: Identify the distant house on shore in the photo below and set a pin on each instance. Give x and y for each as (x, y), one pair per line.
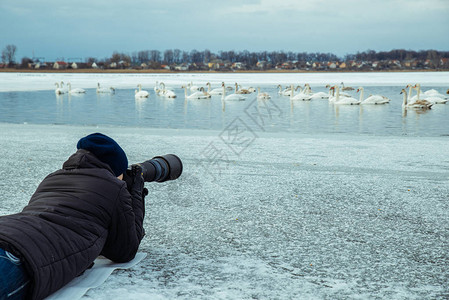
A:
(332, 65)
(411, 63)
(182, 67)
(262, 64)
(288, 65)
(238, 65)
(317, 65)
(60, 65)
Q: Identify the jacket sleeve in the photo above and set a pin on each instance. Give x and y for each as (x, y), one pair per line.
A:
(126, 229)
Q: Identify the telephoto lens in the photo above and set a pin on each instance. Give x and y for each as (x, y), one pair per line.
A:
(161, 168)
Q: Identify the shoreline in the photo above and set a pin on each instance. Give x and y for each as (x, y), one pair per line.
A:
(163, 71)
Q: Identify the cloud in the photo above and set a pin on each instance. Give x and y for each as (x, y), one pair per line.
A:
(346, 8)
(342, 26)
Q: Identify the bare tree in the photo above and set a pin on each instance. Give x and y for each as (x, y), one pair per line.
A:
(121, 59)
(143, 56)
(168, 57)
(177, 56)
(115, 57)
(185, 57)
(207, 55)
(196, 57)
(155, 55)
(134, 58)
(8, 54)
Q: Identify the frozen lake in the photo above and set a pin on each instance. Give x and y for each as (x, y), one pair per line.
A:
(261, 211)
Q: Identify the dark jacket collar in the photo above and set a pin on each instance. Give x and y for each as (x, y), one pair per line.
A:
(84, 159)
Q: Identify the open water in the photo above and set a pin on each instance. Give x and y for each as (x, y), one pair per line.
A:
(21, 105)
(275, 202)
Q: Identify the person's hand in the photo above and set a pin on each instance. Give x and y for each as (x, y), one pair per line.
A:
(135, 183)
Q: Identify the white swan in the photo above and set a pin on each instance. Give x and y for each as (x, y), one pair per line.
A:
(58, 90)
(435, 93)
(231, 97)
(300, 96)
(169, 94)
(332, 96)
(432, 92)
(141, 93)
(372, 99)
(331, 93)
(436, 100)
(345, 100)
(285, 92)
(166, 92)
(410, 98)
(419, 95)
(75, 91)
(64, 90)
(157, 88)
(196, 95)
(419, 104)
(243, 91)
(262, 96)
(216, 91)
(318, 95)
(101, 90)
(167, 88)
(193, 88)
(433, 98)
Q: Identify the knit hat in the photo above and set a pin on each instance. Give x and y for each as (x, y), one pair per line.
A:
(105, 149)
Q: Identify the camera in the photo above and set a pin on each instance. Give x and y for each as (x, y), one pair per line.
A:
(161, 168)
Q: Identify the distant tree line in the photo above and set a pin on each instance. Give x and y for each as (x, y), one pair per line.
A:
(154, 59)
(398, 54)
(177, 56)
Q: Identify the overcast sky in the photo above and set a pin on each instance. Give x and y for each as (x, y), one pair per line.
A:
(97, 28)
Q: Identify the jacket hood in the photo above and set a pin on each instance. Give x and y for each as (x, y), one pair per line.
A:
(83, 159)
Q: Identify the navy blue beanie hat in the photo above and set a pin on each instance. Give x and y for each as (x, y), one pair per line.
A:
(105, 149)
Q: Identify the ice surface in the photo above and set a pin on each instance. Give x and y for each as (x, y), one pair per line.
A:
(296, 216)
(45, 81)
(93, 277)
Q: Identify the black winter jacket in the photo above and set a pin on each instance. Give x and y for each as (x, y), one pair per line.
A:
(76, 214)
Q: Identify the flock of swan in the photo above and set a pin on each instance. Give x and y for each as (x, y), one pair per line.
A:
(60, 89)
(338, 94)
